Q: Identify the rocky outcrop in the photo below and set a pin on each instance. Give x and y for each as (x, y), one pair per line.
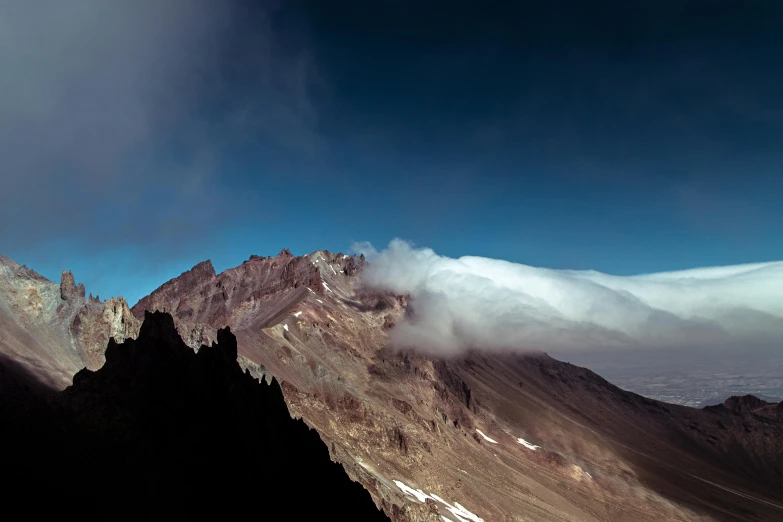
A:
(185, 283)
(54, 330)
(258, 290)
(96, 322)
(354, 265)
(744, 403)
(68, 290)
(161, 428)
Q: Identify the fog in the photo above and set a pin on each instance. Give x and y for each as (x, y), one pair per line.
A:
(115, 116)
(491, 304)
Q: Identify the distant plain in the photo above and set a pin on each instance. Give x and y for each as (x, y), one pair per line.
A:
(693, 379)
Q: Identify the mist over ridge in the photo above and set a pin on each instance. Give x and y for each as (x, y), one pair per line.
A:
(480, 303)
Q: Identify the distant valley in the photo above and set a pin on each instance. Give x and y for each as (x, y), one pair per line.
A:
(695, 381)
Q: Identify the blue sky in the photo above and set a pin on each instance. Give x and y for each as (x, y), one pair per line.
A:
(636, 137)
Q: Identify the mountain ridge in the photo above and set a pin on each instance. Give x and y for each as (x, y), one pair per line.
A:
(501, 435)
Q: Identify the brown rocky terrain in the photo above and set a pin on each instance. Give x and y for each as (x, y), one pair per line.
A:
(54, 330)
(483, 436)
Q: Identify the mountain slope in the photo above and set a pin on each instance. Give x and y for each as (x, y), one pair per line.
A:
(54, 330)
(507, 437)
(160, 428)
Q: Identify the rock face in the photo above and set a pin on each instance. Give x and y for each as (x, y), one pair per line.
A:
(68, 289)
(256, 292)
(161, 428)
(506, 437)
(54, 330)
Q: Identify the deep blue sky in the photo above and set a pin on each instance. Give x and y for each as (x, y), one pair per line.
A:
(634, 137)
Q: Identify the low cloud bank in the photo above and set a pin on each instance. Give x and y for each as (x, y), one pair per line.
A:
(490, 304)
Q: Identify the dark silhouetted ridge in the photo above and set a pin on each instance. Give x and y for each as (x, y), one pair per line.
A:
(163, 429)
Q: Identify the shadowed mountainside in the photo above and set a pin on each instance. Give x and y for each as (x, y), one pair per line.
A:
(163, 429)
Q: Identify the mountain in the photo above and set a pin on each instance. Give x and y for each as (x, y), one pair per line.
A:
(53, 330)
(486, 435)
(714, 401)
(162, 429)
(492, 436)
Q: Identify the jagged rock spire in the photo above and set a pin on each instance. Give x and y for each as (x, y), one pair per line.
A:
(68, 288)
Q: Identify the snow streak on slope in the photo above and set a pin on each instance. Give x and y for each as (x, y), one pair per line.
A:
(475, 302)
(457, 510)
(485, 437)
(527, 444)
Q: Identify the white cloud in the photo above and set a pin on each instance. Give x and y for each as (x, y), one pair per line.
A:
(476, 302)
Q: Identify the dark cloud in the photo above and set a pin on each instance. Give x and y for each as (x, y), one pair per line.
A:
(115, 117)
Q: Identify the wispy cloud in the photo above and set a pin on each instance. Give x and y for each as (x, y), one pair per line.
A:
(480, 303)
(114, 116)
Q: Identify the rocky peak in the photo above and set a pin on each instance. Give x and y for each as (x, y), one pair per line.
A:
(354, 265)
(183, 284)
(122, 323)
(7, 261)
(203, 270)
(156, 332)
(743, 404)
(68, 289)
(285, 253)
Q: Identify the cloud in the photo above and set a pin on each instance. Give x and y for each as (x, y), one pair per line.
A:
(115, 116)
(489, 304)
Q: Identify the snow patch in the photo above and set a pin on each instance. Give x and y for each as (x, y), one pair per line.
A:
(485, 437)
(419, 494)
(527, 444)
(320, 301)
(286, 327)
(330, 266)
(346, 257)
(326, 286)
(459, 511)
(297, 314)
